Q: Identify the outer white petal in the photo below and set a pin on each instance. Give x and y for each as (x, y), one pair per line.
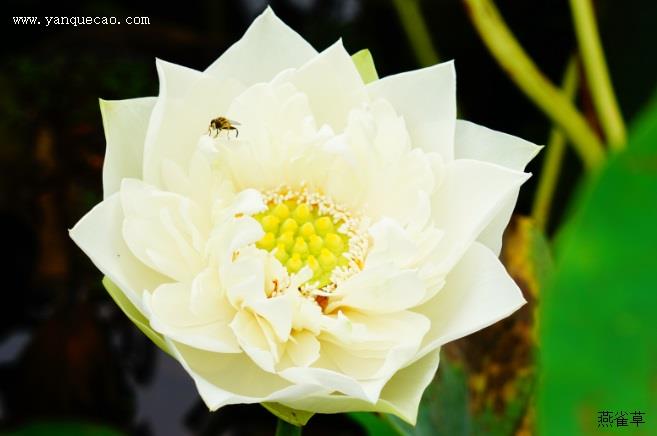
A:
(377, 335)
(187, 101)
(210, 189)
(375, 170)
(477, 293)
(170, 314)
(277, 311)
(166, 231)
(98, 234)
(307, 315)
(303, 348)
(248, 201)
(256, 339)
(125, 123)
(377, 348)
(333, 380)
(232, 234)
(473, 141)
(277, 136)
(397, 187)
(470, 197)
(268, 47)
(244, 280)
(391, 244)
(477, 142)
(380, 289)
(333, 86)
(426, 98)
(360, 353)
(400, 396)
(207, 298)
(176, 80)
(491, 236)
(223, 379)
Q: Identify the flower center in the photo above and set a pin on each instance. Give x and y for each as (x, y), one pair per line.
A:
(307, 229)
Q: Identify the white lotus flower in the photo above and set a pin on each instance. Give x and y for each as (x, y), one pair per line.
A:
(322, 257)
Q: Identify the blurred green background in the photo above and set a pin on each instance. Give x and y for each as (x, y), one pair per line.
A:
(71, 363)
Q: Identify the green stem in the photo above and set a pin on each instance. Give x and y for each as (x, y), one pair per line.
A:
(284, 428)
(416, 31)
(597, 75)
(522, 70)
(556, 148)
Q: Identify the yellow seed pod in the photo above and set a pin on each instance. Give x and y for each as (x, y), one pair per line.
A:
(294, 264)
(281, 254)
(323, 225)
(287, 240)
(307, 230)
(300, 247)
(270, 223)
(298, 236)
(291, 204)
(267, 242)
(315, 244)
(302, 213)
(281, 211)
(323, 278)
(312, 262)
(289, 225)
(327, 260)
(334, 243)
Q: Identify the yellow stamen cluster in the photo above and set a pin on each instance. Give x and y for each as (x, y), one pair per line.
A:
(300, 234)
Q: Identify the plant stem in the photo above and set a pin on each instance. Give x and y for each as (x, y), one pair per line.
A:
(522, 70)
(556, 148)
(416, 30)
(284, 428)
(597, 75)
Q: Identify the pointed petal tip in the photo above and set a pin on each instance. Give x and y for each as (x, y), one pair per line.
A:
(159, 62)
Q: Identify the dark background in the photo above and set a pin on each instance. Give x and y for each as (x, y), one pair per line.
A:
(67, 353)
